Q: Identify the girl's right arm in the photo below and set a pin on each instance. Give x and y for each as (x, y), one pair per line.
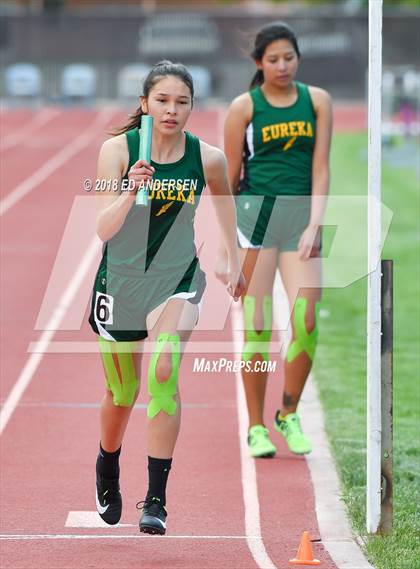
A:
(238, 117)
(114, 204)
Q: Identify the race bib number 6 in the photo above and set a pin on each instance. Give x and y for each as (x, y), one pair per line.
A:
(104, 306)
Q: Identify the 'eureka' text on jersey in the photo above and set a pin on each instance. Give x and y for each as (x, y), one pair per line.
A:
(286, 129)
(172, 190)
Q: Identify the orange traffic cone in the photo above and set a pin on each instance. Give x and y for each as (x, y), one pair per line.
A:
(305, 555)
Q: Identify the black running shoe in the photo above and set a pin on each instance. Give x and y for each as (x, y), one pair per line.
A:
(108, 499)
(153, 518)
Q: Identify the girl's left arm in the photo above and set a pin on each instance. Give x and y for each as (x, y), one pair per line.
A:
(215, 171)
(320, 170)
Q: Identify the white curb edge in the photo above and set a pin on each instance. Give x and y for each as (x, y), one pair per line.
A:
(334, 527)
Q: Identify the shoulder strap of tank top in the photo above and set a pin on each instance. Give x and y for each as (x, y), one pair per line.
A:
(192, 148)
(257, 97)
(133, 142)
(305, 95)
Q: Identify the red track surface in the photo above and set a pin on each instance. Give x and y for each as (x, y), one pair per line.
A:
(49, 446)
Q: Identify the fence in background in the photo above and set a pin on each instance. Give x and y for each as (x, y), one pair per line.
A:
(334, 45)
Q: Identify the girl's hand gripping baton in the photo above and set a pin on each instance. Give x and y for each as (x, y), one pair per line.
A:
(145, 153)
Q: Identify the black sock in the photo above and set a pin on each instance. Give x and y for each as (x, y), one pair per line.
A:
(158, 476)
(107, 463)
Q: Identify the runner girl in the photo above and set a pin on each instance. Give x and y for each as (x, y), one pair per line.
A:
(278, 134)
(149, 282)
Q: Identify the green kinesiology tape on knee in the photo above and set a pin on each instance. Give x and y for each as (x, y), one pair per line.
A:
(162, 393)
(257, 342)
(304, 341)
(121, 378)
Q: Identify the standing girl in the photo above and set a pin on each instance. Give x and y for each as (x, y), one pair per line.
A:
(149, 282)
(278, 134)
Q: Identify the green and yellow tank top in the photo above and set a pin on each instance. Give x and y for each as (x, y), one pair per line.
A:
(279, 146)
(161, 234)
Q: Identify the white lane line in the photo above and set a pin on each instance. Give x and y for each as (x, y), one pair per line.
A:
(40, 119)
(57, 316)
(138, 406)
(191, 347)
(23, 537)
(85, 519)
(56, 161)
(248, 470)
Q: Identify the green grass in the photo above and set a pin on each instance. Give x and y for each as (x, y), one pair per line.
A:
(340, 365)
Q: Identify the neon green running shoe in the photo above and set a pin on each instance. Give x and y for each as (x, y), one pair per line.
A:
(289, 427)
(259, 442)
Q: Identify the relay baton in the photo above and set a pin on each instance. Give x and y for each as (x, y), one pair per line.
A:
(145, 153)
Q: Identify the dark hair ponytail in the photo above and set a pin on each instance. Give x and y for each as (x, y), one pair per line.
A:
(258, 79)
(268, 34)
(159, 71)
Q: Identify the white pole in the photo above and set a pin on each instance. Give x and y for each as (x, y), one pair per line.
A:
(373, 482)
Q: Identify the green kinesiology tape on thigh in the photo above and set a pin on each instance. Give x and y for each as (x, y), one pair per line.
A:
(257, 342)
(121, 378)
(303, 341)
(162, 392)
